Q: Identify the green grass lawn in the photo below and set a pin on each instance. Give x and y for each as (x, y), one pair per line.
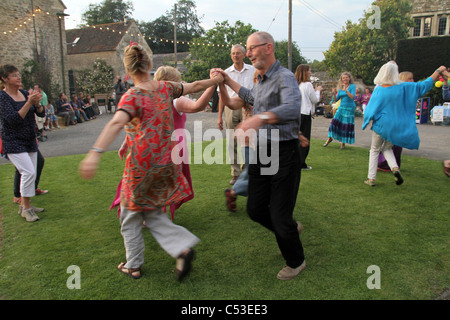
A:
(348, 226)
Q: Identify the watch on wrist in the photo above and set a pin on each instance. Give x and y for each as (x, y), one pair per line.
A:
(264, 117)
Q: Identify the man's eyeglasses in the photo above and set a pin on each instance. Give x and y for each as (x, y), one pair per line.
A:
(251, 48)
(16, 75)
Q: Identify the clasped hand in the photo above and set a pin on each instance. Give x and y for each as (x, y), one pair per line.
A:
(35, 97)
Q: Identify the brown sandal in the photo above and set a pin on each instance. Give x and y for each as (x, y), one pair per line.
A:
(230, 200)
(185, 260)
(134, 273)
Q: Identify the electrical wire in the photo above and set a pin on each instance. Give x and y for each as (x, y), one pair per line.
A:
(320, 14)
(275, 16)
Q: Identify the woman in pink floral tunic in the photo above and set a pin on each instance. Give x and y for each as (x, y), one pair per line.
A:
(151, 180)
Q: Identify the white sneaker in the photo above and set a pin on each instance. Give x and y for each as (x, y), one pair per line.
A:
(36, 210)
(29, 215)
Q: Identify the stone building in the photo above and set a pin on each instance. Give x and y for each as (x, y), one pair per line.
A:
(106, 42)
(34, 30)
(431, 18)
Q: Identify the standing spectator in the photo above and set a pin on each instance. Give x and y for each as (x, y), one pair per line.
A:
(242, 73)
(17, 115)
(119, 90)
(391, 110)
(365, 99)
(18, 177)
(272, 192)
(151, 180)
(358, 102)
(40, 121)
(240, 188)
(342, 127)
(310, 97)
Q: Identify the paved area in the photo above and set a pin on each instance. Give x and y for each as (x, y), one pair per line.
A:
(79, 139)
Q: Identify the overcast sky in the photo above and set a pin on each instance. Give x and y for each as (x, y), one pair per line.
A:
(313, 21)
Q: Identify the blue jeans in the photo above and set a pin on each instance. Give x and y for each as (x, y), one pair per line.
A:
(240, 187)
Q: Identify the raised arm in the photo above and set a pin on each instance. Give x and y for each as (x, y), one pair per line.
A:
(201, 85)
(189, 106)
(232, 103)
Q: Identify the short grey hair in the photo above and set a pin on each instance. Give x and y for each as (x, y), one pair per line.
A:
(240, 46)
(265, 37)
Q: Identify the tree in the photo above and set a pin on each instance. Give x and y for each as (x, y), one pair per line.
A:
(317, 66)
(281, 53)
(98, 79)
(107, 11)
(161, 30)
(362, 48)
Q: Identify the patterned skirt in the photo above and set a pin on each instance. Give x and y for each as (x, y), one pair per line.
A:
(342, 127)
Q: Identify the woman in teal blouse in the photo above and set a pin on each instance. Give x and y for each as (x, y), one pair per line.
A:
(342, 127)
(392, 110)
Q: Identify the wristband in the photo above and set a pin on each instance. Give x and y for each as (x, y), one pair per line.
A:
(438, 71)
(99, 150)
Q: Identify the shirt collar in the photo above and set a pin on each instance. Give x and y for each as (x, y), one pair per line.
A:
(273, 68)
(246, 67)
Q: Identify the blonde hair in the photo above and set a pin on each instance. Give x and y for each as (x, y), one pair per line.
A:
(340, 84)
(136, 60)
(388, 74)
(167, 73)
(405, 76)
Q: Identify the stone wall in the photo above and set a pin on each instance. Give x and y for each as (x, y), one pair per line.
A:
(114, 58)
(24, 36)
(425, 6)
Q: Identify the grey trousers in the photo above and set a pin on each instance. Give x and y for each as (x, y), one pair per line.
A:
(173, 238)
(232, 119)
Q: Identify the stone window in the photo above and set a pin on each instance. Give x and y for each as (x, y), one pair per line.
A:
(417, 27)
(442, 27)
(427, 27)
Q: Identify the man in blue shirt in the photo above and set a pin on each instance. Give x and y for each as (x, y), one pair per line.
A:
(273, 187)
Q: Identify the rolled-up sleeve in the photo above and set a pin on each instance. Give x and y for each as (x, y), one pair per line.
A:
(246, 95)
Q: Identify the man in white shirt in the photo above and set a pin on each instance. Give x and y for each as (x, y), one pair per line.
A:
(243, 74)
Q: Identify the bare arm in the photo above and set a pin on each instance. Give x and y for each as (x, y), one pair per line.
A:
(442, 70)
(220, 111)
(188, 106)
(89, 165)
(234, 103)
(201, 85)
